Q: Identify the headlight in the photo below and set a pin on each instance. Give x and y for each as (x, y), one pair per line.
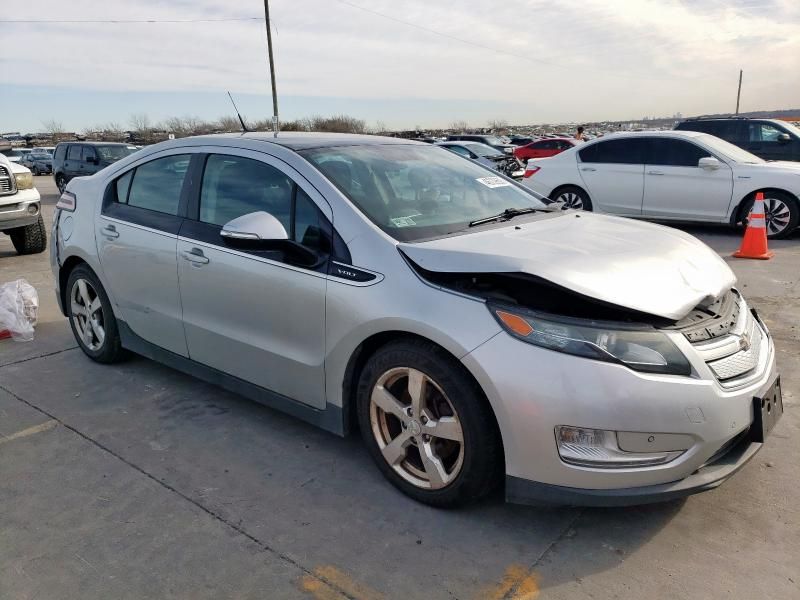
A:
(24, 181)
(641, 348)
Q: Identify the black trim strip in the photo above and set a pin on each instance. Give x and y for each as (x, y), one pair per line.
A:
(330, 419)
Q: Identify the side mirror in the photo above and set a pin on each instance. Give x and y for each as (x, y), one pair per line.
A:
(255, 226)
(709, 162)
(784, 138)
(92, 160)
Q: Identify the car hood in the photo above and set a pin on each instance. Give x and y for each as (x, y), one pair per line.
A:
(644, 267)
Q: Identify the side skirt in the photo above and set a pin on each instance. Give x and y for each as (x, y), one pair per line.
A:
(330, 419)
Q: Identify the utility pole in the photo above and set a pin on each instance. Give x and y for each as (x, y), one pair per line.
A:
(738, 93)
(271, 71)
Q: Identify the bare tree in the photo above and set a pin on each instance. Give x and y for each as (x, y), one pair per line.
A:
(228, 123)
(140, 122)
(380, 128)
(498, 124)
(54, 128)
(459, 125)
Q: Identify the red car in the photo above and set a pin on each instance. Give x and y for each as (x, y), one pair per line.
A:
(545, 148)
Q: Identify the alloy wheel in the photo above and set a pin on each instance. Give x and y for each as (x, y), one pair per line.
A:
(570, 200)
(87, 314)
(416, 428)
(777, 215)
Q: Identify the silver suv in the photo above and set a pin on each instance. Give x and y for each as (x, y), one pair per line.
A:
(470, 332)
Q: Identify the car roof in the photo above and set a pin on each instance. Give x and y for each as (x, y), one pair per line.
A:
(668, 133)
(96, 143)
(302, 140)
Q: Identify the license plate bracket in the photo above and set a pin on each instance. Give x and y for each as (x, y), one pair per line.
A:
(767, 410)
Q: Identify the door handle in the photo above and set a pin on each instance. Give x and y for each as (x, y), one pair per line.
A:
(110, 232)
(655, 172)
(196, 256)
(588, 169)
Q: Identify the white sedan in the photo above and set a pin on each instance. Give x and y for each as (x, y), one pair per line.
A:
(670, 175)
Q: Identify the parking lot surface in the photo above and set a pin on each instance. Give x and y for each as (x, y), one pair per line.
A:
(135, 481)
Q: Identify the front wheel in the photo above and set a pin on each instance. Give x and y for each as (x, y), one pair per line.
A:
(31, 239)
(572, 197)
(91, 317)
(427, 425)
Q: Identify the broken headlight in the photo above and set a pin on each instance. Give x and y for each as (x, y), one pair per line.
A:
(641, 348)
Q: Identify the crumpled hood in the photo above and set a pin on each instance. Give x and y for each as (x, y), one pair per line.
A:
(641, 266)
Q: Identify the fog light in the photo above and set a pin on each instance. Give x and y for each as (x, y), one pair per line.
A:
(599, 448)
(33, 209)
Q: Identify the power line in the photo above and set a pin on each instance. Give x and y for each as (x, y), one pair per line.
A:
(126, 21)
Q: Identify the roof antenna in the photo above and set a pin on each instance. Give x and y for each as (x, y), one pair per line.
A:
(241, 120)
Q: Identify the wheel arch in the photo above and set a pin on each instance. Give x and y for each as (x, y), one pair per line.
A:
(563, 186)
(368, 347)
(737, 214)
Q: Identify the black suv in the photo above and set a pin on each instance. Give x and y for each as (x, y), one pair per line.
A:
(74, 159)
(770, 139)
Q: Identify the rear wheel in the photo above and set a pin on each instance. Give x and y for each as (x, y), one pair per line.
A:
(91, 317)
(781, 213)
(427, 425)
(31, 239)
(572, 197)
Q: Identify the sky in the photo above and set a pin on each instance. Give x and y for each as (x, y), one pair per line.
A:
(423, 63)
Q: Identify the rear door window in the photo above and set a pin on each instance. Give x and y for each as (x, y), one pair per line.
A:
(88, 153)
(628, 151)
(674, 153)
(157, 184)
(74, 152)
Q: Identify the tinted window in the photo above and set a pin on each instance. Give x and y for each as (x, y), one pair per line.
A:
(234, 186)
(88, 152)
(60, 152)
(727, 130)
(676, 153)
(459, 150)
(157, 185)
(624, 151)
(763, 132)
(114, 153)
(121, 187)
(74, 152)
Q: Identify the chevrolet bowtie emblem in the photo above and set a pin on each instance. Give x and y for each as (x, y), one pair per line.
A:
(744, 342)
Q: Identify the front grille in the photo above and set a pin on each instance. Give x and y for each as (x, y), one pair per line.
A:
(7, 185)
(729, 339)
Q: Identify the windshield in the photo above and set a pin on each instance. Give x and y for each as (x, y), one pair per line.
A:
(729, 150)
(417, 192)
(791, 127)
(114, 153)
(493, 140)
(484, 150)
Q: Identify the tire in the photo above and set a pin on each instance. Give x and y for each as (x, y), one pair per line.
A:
(61, 183)
(453, 408)
(781, 210)
(31, 239)
(95, 328)
(35, 171)
(573, 198)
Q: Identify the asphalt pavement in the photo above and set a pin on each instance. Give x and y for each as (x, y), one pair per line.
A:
(135, 481)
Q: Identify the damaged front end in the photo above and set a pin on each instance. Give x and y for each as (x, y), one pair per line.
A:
(538, 312)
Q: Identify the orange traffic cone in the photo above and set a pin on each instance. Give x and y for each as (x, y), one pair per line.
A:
(754, 244)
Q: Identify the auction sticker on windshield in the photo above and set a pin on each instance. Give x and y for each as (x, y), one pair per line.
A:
(493, 182)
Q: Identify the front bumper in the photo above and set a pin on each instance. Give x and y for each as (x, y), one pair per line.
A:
(522, 491)
(15, 210)
(533, 390)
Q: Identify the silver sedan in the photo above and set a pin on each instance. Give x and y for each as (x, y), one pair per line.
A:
(474, 336)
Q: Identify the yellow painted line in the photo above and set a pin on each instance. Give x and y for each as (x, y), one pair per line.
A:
(517, 584)
(327, 583)
(46, 426)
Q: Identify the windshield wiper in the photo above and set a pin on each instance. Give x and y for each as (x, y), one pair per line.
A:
(507, 214)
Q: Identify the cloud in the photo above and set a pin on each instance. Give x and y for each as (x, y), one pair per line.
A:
(555, 60)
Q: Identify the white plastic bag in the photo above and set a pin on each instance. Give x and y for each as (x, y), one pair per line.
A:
(19, 307)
